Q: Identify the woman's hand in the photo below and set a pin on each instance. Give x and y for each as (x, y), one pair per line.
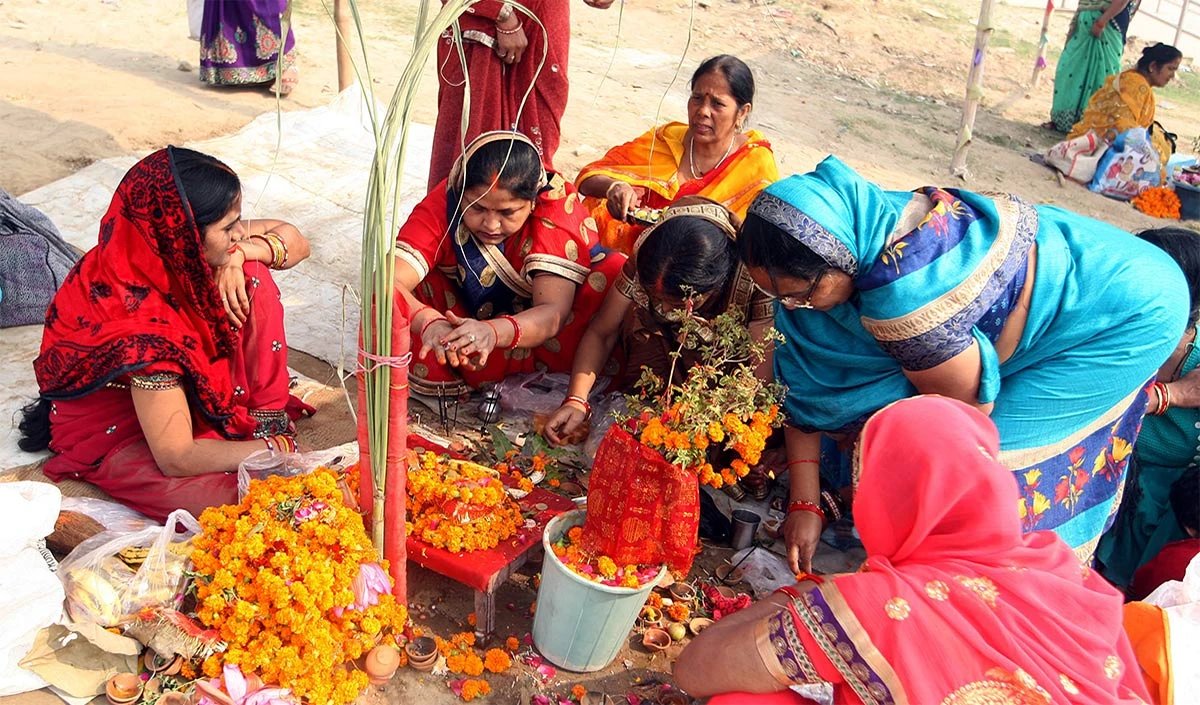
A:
(511, 47)
(621, 198)
(1185, 391)
(469, 338)
(563, 423)
(801, 531)
(431, 337)
(231, 283)
(1098, 28)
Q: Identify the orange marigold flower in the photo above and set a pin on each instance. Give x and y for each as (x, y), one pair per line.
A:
(471, 619)
(512, 643)
(578, 691)
(496, 661)
(472, 689)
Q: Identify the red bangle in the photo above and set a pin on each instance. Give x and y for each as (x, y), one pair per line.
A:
(802, 576)
(790, 591)
(803, 461)
(802, 506)
(516, 331)
(587, 408)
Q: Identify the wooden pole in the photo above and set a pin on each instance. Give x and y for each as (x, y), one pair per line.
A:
(1039, 64)
(1183, 8)
(983, 33)
(342, 20)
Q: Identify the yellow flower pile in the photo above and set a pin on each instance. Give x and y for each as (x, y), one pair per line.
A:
(274, 575)
(459, 506)
(678, 435)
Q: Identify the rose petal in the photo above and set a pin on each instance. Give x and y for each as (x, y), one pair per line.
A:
(457, 686)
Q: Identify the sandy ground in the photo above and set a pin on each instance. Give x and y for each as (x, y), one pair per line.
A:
(878, 83)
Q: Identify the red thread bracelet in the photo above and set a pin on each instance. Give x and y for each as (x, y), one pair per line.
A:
(802, 461)
(431, 321)
(803, 506)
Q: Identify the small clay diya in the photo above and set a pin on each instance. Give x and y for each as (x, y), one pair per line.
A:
(381, 664)
(123, 688)
(593, 697)
(571, 489)
(682, 592)
(666, 582)
(422, 653)
(728, 574)
(650, 616)
(727, 592)
(673, 697)
(699, 624)
(656, 640)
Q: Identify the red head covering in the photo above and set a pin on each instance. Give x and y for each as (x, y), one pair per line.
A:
(954, 601)
(143, 300)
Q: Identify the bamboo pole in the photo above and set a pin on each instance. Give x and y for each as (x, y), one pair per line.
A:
(983, 33)
(1039, 64)
(1183, 9)
(341, 21)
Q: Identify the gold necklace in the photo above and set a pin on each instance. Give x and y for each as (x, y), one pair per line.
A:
(692, 155)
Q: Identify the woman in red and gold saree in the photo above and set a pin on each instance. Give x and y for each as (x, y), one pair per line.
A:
(501, 267)
(954, 604)
(710, 156)
(163, 361)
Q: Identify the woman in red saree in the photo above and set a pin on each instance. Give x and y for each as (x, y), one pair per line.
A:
(710, 156)
(953, 605)
(503, 50)
(501, 267)
(163, 361)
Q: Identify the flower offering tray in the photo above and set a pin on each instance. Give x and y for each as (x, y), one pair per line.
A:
(484, 571)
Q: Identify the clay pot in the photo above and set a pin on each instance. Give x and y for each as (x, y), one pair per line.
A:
(726, 592)
(381, 664)
(728, 574)
(571, 489)
(699, 624)
(123, 688)
(682, 592)
(650, 616)
(422, 653)
(666, 582)
(673, 697)
(656, 640)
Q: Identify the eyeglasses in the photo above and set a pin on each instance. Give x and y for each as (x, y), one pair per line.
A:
(795, 301)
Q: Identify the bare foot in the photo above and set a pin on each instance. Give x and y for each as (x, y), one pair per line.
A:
(287, 83)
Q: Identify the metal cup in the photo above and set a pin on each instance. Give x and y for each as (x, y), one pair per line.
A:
(745, 526)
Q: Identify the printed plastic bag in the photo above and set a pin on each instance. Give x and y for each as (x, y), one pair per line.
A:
(113, 575)
(1077, 158)
(1130, 166)
(265, 463)
(30, 595)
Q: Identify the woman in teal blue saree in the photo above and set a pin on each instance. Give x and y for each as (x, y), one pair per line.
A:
(1051, 322)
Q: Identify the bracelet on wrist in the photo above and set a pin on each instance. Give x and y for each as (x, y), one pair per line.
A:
(803, 461)
(516, 331)
(587, 408)
(514, 30)
(802, 506)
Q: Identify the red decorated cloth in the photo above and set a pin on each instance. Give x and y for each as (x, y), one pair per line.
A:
(498, 89)
(641, 509)
(476, 569)
(1013, 617)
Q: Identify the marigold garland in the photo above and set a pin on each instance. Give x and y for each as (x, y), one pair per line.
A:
(599, 569)
(1159, 202)
(275, 575)
(459, 506)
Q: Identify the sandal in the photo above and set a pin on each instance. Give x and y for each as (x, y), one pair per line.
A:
(287, 83)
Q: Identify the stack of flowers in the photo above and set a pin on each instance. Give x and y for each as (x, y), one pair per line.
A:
(288, 579)
(459, 506)
(598, 568)
(719, 404)
(1159, 202)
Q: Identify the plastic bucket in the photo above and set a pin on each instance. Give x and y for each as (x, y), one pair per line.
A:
(1189, 201)
(581, 625)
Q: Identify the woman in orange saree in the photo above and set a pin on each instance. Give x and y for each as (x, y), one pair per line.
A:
(710, 156)
(954, 604)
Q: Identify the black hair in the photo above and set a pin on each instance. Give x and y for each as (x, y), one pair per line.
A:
(762, 244)
(737, 74)
(1161, 54)
(1184, 247)
(35, 426)
(514, 165)
(209, 186)
(686, 255)
(1185, 499)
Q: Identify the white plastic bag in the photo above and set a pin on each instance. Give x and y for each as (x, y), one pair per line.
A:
(103, 589)
(264, 463)
(110, 515)
(30, 595)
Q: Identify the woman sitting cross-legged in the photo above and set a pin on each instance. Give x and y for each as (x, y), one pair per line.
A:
(163, 362)
(953, 605)
(501, 267)
(710, 156)
(1040, 317)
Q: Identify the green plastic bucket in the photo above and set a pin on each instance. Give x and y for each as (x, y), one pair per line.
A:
(581, 625)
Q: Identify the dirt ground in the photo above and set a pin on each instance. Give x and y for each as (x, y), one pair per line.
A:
(878, 83)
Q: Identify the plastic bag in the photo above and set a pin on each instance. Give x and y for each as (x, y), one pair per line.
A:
(540, 392)
(110, 515)
(765, 571)
(30, 595)
(1077, 158)
(1130, 166)
(265, 463)
(102, 584)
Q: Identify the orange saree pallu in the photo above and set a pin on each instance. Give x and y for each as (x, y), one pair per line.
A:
(641, 509)
(650, 164)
